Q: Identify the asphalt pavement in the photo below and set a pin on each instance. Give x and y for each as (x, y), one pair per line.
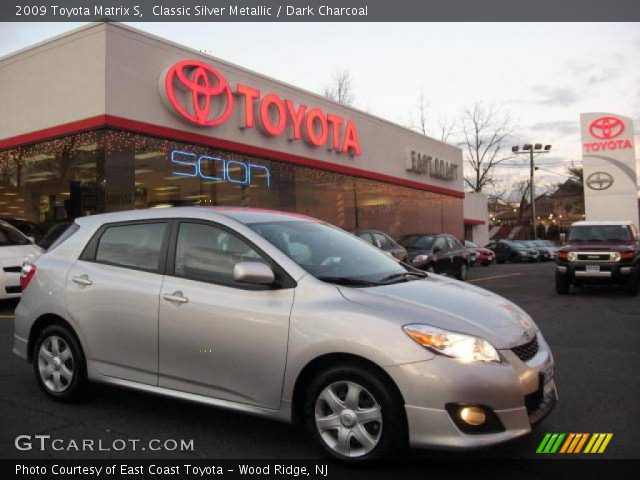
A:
(594, 334)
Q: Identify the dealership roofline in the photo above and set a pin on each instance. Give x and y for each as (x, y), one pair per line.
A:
(156, 38)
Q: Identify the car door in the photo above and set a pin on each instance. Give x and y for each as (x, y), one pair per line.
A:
(217, 337)
(113, 294)
(456, 253)
(503, 252)
(441, 253)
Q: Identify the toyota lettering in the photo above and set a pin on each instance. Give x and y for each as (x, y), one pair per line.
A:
(200, 95)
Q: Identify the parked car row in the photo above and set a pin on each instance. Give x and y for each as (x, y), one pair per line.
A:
(516, 251)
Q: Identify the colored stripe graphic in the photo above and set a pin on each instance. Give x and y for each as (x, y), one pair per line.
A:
(573, 443)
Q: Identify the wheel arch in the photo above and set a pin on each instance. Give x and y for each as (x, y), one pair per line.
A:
(44, 321)
(328, 360)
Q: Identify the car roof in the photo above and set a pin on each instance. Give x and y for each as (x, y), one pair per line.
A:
(595, 223)
(244, 215)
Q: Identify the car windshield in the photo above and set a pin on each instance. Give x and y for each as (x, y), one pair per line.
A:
(11, 236)
(517, 246)
(329, 253)
(540, 243)
(422, 242)
(600, 233)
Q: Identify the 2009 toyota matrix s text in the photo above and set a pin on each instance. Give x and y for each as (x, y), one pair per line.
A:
(287, 317)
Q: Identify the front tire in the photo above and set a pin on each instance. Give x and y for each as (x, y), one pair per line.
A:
(59, 364)
(563, 285)
(462, 273)
(354, 414)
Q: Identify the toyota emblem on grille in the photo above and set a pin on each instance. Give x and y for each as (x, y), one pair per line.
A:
(599, 181)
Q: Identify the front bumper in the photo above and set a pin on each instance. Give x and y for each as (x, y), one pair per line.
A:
(608, 272)
(513, 390)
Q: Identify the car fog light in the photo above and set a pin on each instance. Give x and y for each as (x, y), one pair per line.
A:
(473, 416)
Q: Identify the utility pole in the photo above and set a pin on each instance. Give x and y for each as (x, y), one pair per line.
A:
(531, 149)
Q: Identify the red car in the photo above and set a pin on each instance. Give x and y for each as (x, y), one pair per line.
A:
(483, 256)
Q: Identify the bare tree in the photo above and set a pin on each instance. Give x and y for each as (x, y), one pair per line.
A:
(340, 88)
(484, 131)
(420, 122)
(446, 128)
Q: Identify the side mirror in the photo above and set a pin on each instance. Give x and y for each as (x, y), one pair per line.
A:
(436, 249)
(32, 239)
(253, 272)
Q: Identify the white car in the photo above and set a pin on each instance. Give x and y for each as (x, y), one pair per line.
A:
(15, 249)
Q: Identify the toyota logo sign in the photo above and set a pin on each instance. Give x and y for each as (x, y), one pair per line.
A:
(606, 128)
(599, 181)
(199, 93)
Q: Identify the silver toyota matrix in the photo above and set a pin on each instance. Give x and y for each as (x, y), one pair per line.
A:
(287, 317)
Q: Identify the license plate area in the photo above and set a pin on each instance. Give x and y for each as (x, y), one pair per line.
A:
(593, 268)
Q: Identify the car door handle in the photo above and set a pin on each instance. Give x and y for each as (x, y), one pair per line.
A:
(82, 280)
(175, 297)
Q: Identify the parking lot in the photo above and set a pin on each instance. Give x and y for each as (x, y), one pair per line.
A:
(594, 334)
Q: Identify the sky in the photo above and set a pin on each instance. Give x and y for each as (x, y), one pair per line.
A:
(542, 74)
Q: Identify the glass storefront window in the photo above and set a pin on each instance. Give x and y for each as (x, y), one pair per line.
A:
(110, 170)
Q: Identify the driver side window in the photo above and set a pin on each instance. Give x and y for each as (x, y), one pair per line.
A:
(440, 245)
(208, 254)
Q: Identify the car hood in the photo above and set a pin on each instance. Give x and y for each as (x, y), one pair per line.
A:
(596, 246)
(451, 305)
(14, 251)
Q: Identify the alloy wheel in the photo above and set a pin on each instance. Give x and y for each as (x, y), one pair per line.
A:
(463, 272)
(55, 364)
(348, 419)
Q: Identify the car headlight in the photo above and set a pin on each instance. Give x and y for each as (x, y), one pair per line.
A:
(456, 345)
(615, 256)
(572, 256)
(420, 259)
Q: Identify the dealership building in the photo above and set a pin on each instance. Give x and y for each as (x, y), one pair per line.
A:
(108, 118)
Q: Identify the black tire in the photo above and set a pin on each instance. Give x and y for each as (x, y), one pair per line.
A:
(514, 259)
(500, 261)
(486, 264)
(74, 389)
(632, 285)
(393, 432)
(462, 272)
(563, 285)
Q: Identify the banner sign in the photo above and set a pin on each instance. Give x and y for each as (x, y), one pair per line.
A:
(609, 161)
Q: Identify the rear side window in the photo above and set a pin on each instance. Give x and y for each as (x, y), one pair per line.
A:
(133, 246)
(383, 241)
(70, 230)
(366, 236)
(11, 236)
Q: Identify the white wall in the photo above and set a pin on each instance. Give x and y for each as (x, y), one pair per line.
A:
(53, 83)
(476, 208)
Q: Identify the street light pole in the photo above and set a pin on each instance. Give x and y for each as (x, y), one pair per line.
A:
(531, 149)
(533, 196)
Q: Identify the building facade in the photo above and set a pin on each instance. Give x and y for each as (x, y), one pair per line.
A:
(108, 118)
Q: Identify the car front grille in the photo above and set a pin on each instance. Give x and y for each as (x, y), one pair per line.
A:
(594, 256)
(16, 269)
(527, 351)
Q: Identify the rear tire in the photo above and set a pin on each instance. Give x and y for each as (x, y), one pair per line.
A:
(59, 364)
(563, 285)
(462, 273)
(361, 406)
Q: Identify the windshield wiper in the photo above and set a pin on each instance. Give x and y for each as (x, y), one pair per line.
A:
(393, 276)
(348, 281)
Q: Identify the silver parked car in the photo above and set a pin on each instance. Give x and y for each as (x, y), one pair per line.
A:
(286, 317)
